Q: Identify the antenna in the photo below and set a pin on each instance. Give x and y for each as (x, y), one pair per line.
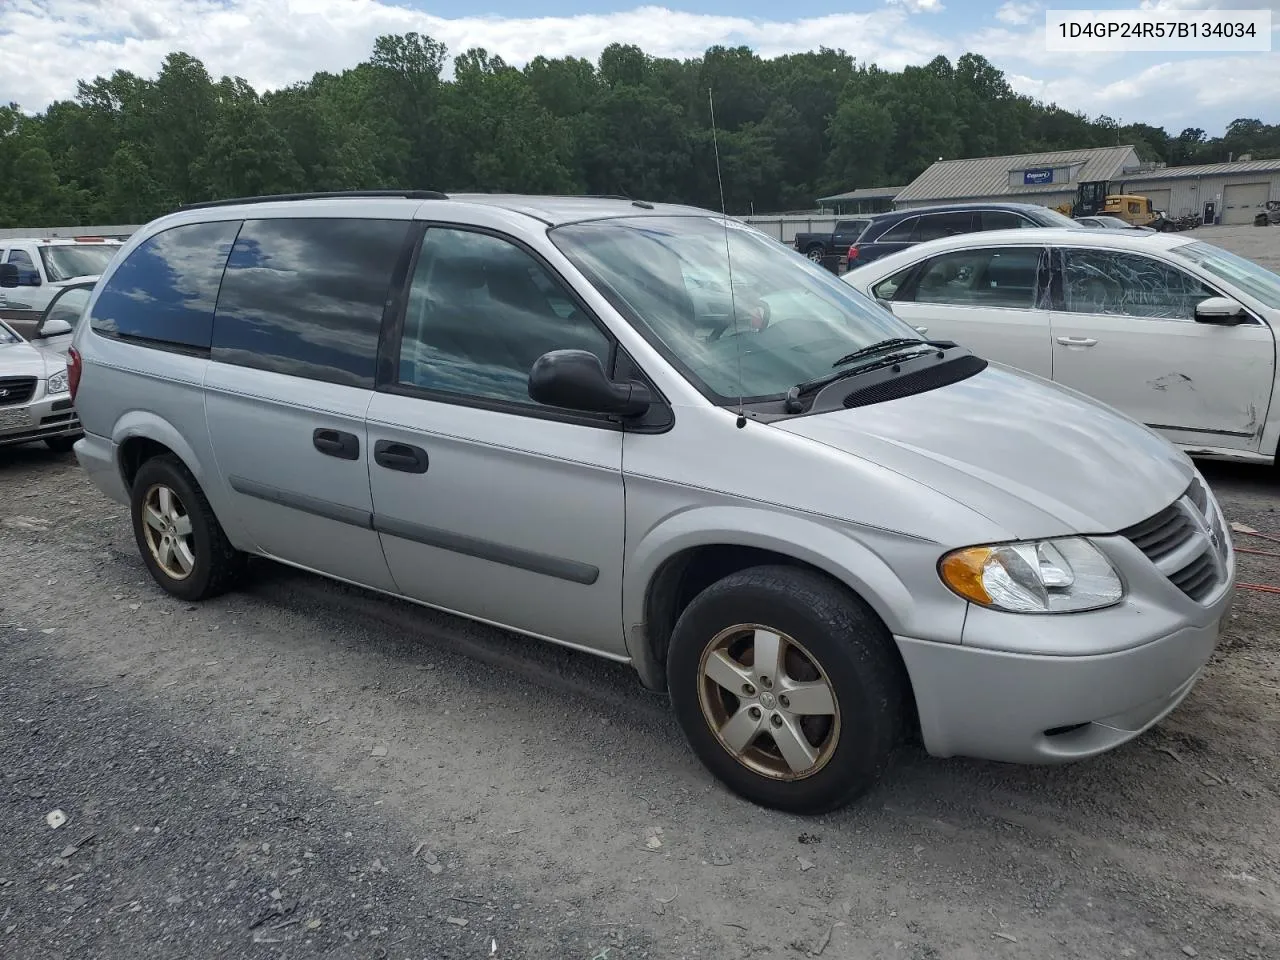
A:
(733, 304)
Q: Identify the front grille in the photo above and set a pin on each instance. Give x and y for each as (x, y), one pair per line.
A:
(1187, 543)
(15, 390)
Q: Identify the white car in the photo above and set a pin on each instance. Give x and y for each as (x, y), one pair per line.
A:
(1175, 332)
(35, 397)
(46, 265)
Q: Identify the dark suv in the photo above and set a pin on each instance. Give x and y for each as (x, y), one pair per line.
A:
(889, 232)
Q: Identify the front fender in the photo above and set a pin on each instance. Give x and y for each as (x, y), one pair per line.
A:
(865, 559)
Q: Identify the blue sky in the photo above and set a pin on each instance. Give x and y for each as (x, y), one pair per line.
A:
(45, 45)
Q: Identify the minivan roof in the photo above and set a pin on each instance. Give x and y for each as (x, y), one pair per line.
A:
(552, 210)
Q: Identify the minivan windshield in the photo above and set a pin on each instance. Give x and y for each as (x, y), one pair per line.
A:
(64, 261)
(787, 321)
(1253, 279)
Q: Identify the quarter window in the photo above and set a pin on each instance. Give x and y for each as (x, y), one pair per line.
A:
(900, 233)
(166, 289)
(888, 288)
(481, 311)
(305, 297)
(1128, 284)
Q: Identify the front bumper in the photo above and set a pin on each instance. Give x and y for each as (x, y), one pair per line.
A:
(1015, 690)
(41, 417)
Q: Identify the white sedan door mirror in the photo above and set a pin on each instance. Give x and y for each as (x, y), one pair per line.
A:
(54, 327)
(1222, 311)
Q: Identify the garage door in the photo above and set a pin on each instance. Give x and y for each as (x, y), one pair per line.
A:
(1241, 202)
(1159, 200)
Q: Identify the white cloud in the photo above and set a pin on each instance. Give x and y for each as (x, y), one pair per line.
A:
(46, 45)
(1017, 13)
(919, 6)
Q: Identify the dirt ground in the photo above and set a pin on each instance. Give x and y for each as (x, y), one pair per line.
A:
(302, 770)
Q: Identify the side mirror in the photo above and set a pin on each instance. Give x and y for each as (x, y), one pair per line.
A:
(575, 380)
(885, 303)
(1222, 311)
(54, 327)
(8, 275)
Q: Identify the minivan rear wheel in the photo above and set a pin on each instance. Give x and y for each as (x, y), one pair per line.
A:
(788, 688)
(180, 539)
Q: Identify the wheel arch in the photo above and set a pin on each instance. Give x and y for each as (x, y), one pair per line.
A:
(692, 550)
(140, 435)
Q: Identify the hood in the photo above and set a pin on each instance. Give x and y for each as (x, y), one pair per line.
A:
(24, 360)
(1037, 459)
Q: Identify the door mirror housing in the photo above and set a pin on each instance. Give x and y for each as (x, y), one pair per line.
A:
(885, 303)
(1222, 311)
(8, 275)
(54, 327)
(575, 380)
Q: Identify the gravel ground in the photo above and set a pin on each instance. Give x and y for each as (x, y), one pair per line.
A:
(303, 770)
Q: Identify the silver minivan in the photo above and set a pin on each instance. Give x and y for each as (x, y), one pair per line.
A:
(822, 534)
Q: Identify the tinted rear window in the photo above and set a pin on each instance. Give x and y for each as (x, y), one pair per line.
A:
(166, 290)
(305, 296)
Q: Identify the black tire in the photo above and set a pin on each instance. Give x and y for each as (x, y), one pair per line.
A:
(217, 564)
(841, 634)
(62, 444)
(815, 252)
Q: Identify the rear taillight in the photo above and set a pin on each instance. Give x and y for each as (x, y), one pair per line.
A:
(853, 252)
(74, 366)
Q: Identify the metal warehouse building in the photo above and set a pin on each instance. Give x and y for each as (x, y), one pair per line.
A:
(862, 200)
(1220, 192)
(1048, 179)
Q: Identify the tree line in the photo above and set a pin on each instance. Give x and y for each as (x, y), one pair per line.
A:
(789, 129)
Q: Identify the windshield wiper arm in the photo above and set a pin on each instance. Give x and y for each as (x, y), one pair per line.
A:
(880, 347)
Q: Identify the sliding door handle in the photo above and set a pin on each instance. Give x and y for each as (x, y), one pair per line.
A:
(336, 443)
(400, 456)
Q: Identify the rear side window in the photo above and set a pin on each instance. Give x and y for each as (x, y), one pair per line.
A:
(165, 290)
(305, 297)
(1003, 220)
(943, 225)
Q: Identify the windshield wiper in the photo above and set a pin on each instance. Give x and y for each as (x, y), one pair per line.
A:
(880, 347)
(793, 404)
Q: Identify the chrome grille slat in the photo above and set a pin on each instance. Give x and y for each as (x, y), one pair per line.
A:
(15, 390)
(1178, 541)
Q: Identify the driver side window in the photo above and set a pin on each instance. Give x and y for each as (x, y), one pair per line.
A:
(481, 311)
(1129, 284)
(27, 273)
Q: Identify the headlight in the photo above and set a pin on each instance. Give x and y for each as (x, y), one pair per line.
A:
(1042, 576)
(58, 382)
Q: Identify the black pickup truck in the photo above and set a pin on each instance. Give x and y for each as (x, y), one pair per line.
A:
(815, 246)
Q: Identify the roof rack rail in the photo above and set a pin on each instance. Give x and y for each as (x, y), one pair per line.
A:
(272, 198)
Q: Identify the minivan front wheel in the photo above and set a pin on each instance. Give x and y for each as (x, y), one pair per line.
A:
(787, 688)
(180, 539)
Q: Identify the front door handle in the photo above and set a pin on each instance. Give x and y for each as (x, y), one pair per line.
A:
(336, 443)
(1077, 341)
(400, 456)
